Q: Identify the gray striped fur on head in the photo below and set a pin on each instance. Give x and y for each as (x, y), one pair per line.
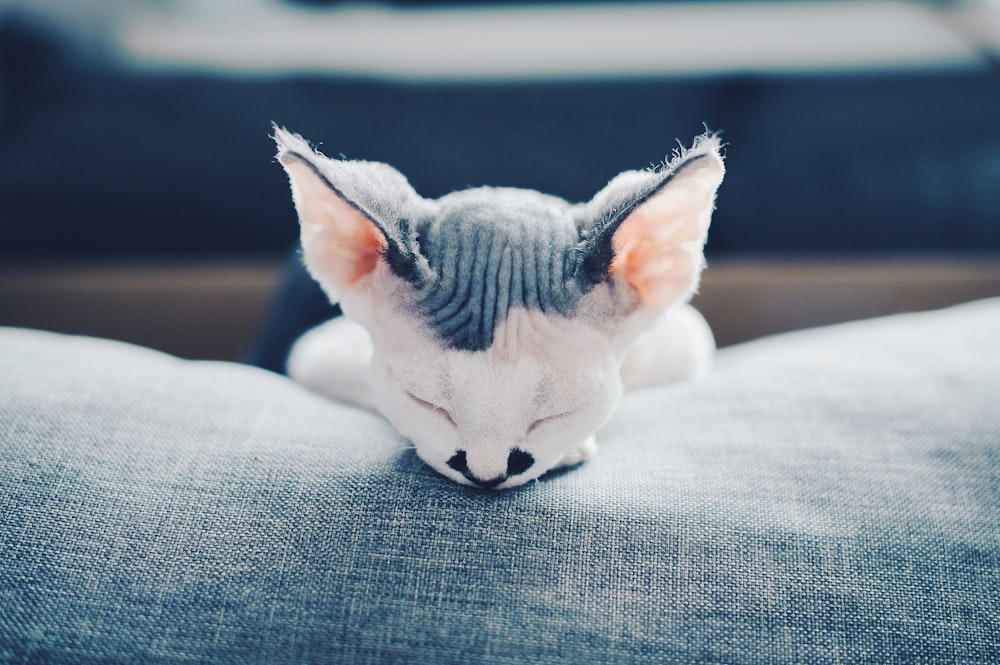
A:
(490, 250)
(473, 255)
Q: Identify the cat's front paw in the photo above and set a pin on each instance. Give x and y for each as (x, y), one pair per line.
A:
(586, 450)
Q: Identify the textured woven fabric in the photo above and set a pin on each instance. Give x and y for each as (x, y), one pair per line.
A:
(828, 496)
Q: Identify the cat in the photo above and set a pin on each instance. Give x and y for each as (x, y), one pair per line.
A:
(497, 328)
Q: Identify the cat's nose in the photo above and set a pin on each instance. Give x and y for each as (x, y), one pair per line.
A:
(518, 461)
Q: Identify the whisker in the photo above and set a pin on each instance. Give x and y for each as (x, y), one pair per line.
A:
(417, 463)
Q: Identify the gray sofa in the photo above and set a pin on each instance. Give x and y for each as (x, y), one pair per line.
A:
(827, 496)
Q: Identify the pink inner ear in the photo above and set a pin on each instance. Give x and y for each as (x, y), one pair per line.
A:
(347, 247)
(339, 242)
(655, 247)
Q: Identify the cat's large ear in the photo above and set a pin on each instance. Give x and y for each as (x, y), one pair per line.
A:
(650, 227)
(352, 215)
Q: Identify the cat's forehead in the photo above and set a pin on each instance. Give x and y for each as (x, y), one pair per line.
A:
(502, 221)
(490, 250)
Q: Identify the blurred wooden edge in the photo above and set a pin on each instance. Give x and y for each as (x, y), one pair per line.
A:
(745, 299)
(201, 310)
(209, 310)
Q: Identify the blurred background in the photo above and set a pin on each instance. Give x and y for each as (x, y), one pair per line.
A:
(139, 198)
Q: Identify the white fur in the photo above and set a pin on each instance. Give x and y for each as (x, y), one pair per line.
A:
(333, 359)
(679, 347)
(540, 366)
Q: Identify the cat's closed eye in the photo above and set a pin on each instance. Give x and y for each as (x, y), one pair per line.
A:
(430, 406)
(550, 419)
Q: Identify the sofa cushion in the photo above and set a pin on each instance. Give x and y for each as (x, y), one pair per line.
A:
(829, 495)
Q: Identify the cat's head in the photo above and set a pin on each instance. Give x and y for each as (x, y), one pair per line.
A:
(499, 317)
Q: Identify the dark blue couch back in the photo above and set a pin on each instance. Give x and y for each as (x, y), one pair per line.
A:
(99, 161)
